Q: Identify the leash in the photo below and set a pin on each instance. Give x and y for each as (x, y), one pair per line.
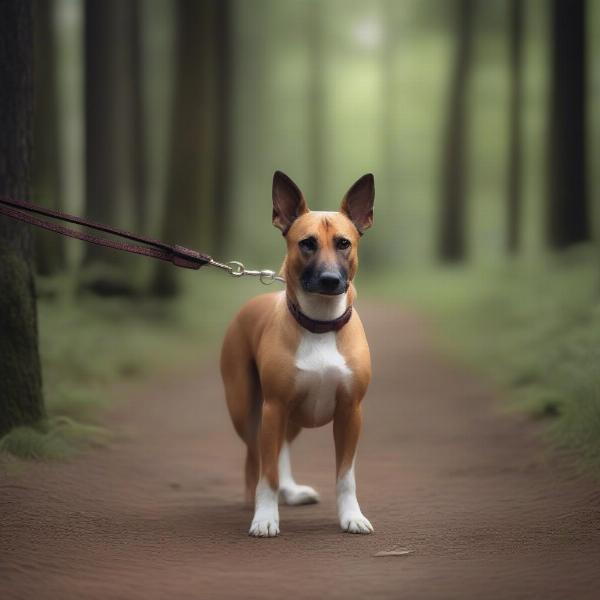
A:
(180, 256)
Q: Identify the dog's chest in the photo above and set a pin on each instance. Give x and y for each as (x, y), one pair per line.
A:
(321, 369)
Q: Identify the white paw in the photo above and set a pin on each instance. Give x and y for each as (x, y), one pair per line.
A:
(295, 495)
(264, 528)
(356, 523)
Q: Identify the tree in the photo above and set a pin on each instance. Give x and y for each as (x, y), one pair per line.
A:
(222, 193)
(452, 243)
(515, 155)
(21, 399)
(138, 114)
(192, 147)
(49, 247)
(109, 148)
(568, 214)
(316, 100)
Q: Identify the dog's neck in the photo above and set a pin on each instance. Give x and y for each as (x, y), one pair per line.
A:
(320, 307)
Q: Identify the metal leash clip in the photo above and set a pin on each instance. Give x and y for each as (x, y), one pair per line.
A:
(237, 269)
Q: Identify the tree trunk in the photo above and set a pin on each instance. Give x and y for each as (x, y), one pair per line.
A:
(108, 117)
(515, 154)
(316, 103)
(47, 188)
(20, 373)
(140, 201)
(222, 135)
(389, 250)
(191, 153)
(568, 216)
(452, 243)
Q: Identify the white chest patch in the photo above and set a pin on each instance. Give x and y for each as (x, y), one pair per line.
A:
(321, 370)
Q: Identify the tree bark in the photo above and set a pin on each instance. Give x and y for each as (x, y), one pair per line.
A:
(452, 243)
(108, 117)
(316, 103)
(515, 154)
(568, 212)
(140, 201)
(191, 152)
(47, 185)
(222, 135)
(21, 399)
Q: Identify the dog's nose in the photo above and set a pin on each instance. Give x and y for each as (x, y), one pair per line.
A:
(329, 281)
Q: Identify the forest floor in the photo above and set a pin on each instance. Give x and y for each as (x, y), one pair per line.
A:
(443, 471)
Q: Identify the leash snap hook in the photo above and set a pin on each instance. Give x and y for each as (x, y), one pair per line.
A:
(236, 268)
(267, 277)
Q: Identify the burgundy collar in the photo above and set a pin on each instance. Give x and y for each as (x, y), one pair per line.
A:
(318, 326)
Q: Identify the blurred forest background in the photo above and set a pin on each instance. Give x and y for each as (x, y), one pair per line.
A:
(479, 118)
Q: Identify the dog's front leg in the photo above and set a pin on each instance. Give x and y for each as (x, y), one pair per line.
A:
(346, 430)
(266, 508)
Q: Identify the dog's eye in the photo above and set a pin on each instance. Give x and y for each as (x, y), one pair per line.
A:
(342, 244)
(308, 244)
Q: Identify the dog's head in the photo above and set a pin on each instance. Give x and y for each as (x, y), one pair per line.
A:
(322, 247)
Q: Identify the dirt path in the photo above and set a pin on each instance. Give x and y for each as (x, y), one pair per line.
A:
(160, 515)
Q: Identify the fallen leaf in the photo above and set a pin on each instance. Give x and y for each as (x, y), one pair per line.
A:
(395, 552)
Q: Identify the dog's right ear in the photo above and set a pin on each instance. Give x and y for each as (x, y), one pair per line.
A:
(288, 202)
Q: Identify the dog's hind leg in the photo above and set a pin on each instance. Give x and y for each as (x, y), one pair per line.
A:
(244, 401)
(289, 491)
(252, 469)
(246, 416)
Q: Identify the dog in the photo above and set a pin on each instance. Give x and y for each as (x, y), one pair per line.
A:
(300, 358)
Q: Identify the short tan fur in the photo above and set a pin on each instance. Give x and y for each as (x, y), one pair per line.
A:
(265, 351)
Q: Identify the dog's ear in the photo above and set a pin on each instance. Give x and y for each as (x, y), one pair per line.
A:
(358, 202)
(288, 202)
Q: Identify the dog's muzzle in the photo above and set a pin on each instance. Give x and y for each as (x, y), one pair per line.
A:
(329, 281)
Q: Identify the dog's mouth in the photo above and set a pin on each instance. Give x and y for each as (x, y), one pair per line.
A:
(327, 293)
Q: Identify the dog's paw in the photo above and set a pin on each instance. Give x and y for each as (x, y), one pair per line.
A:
(264, 528)
(295, 495)
(356, 523)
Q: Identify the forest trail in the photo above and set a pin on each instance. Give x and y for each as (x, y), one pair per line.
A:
(441, 471)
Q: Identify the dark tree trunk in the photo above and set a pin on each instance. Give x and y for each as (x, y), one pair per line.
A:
(568, 217)
(140, 202)
(47, 188)
(108, 117)
(383, 252)
(20, 374)
(515, 154)
(222, 135)
(316, 103)
(191, 147)
(452, 243)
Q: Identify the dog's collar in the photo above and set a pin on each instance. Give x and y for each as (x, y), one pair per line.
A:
(315, 326)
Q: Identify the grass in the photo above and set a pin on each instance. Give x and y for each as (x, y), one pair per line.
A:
(534, 328)
(89, 343)
(54, 438)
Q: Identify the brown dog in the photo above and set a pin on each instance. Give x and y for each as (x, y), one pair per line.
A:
(300, 358)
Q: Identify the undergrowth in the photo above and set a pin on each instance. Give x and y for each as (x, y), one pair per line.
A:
(88, 343)
(535, 328)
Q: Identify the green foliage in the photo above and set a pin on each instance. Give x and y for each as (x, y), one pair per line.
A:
(534, 327)
(88, 343)
(55, 438)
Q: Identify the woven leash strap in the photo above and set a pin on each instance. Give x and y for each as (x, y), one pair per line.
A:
(177, 255)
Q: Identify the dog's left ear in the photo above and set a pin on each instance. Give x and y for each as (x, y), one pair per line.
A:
(358, 202)
(288, 202)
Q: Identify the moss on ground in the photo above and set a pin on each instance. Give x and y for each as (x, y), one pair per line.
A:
(535, 328)
(88, 343)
